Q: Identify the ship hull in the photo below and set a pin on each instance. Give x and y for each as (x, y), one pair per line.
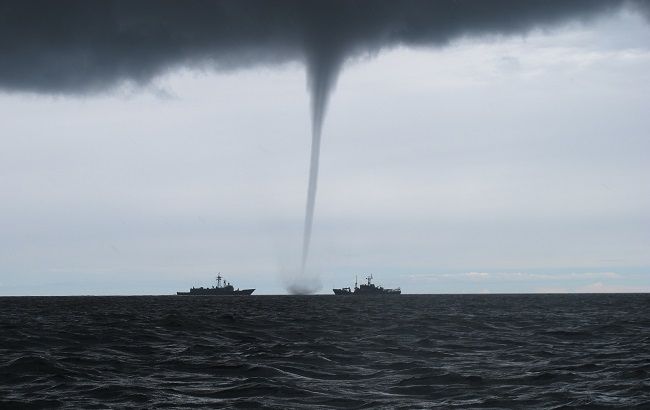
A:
(358, 292)
(216, 292)
(377, 292)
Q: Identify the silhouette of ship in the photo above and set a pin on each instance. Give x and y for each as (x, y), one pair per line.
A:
(225, 289)
(367, 289)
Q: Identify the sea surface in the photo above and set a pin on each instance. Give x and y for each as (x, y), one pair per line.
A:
(408, 351)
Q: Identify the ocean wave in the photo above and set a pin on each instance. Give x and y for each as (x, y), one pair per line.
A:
(546, 351)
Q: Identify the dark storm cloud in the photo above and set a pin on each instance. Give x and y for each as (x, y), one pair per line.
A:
(85, 46)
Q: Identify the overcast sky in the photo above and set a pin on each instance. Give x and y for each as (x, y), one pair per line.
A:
(495, 163)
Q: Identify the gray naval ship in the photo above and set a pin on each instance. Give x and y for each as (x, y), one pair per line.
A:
(367, 289)
(225, 289)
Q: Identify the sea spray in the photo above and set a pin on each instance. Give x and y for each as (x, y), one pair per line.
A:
(306, 284)
(296, 282)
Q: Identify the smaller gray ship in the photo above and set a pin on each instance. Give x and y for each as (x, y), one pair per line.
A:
(367, 289)
(225, 289)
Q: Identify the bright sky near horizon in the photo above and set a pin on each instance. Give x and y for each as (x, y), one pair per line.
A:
(494, 164)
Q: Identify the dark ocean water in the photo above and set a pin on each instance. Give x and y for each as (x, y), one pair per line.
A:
(489, 351)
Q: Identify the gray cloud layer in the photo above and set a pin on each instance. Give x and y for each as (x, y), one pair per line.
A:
(81, 46)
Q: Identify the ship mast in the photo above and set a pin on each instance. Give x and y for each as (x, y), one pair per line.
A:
(219, 279)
